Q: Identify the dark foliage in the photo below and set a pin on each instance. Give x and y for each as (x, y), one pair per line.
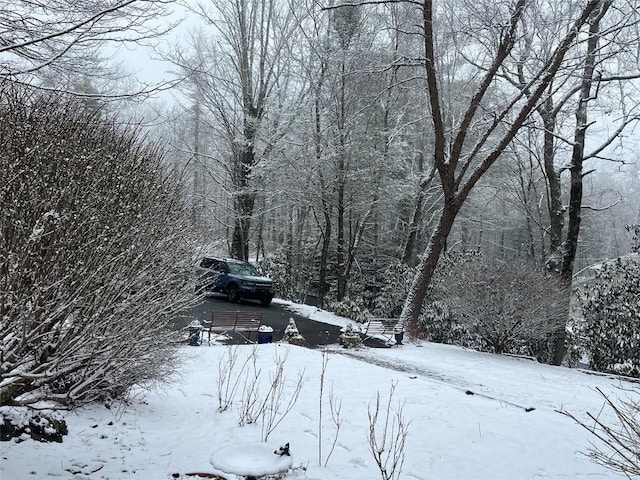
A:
(611, 309)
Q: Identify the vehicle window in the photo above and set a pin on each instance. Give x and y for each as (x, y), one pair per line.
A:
(206, 262)
(243, 269)
(212, 264)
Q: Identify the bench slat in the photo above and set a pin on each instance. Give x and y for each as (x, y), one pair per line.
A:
(384, 327)
(223, 322)
(222, 326)
(247, 325)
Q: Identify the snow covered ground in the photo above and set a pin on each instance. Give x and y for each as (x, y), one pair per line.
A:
(472, 416)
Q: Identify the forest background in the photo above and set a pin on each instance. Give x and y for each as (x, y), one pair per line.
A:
(348, 146)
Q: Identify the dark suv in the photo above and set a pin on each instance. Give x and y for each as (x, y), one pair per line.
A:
(234, 278)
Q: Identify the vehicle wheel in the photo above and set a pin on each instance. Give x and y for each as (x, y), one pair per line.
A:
(233, 293)
(266, 301)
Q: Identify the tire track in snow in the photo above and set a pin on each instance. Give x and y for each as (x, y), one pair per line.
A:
(429, 374)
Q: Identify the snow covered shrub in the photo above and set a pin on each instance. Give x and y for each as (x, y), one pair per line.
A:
(350, 338)
(611, 310)
(95, 254)
(277, 268)
(440, 325)
(437, 322)
(292, 334)
(397, 279)
(510, 305)
(351, 309)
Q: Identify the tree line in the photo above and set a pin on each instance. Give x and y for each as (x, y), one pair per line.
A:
(350, 136)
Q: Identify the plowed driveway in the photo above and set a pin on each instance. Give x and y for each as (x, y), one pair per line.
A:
(276, 316)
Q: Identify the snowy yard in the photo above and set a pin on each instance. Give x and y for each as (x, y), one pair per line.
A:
(472, 416)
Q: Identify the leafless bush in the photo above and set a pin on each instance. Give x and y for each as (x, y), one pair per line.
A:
(250, 402)
(274, 411)
(335, 407)
(95, 254)
(229, 376)
(512, 306)
(255, 405)
(387, 440)
(619, 448)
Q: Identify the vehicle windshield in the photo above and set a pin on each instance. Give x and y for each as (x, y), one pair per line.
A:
(243, 269)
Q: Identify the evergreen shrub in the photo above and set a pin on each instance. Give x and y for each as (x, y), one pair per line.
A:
(440, 325)
(611, 310)
(396, 279)
(278, 269)
(351, 309)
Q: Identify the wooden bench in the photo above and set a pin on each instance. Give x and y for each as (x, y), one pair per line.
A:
(239, 322)
(380, 327)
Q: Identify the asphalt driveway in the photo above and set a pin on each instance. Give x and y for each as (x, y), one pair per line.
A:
(276, 316)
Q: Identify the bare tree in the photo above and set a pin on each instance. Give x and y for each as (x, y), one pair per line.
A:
(95, 255)
(61, 37)
(462, 159)
(357, 121)
(577, 90)
(242, 76)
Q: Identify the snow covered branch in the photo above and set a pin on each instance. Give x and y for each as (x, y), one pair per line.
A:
(95, 255)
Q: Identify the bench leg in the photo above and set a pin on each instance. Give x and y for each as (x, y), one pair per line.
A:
(247, 337)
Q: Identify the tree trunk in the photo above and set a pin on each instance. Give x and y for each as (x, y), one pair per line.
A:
(324, 257)
(245, 197)
(556, 212)
(427, 267)
(340, 254)
(340, 189)
(408, 257)
(325, 229)
(242, 224)
(577, 158)
(198, 174)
